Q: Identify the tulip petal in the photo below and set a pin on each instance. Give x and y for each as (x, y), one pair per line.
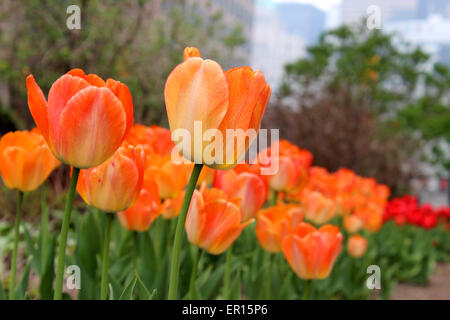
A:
(244, 87)
(60, 93)
(196, 90)
(123, 94)
(38, 106)
(195, 219)
(11, 166)
(109, 190)
(93, 79)
(191, 52)
(37, 166)
(251, 189)
(94, 126)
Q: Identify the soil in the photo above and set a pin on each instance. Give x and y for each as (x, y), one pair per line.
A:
(437, 289)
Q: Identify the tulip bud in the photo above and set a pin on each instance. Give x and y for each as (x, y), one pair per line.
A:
(116, 184)
(318, 208)
(213, 221)
(247, 187)
(141, 215)
(312, 252)
(352, 223)
(274, 223)
(25, 160)
(357, 246)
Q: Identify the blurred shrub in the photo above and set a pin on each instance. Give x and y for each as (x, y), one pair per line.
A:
(135, 41)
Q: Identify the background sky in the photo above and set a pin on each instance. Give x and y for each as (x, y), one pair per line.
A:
(322, 4)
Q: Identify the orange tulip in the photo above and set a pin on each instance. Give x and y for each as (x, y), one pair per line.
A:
(85, 119)
(171, 178)
(140, 216)
(318, 208)
(154, 139)
(198, 92)
(353, 223)
(25, 160)
(248, 187)
(312, 252)
(213, 221)
(116, 184)
(357, 246)
(171, 207)
(293, 164)
(274, 223)
(206, 176)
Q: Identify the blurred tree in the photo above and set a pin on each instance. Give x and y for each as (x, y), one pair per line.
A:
(431, 115)
(342, 102)
(135, 41)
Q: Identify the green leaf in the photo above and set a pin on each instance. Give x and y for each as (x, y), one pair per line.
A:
(144, 293)
(23, 283)
(111, 292)
(127, 293)
(2, 292)
(46, 283)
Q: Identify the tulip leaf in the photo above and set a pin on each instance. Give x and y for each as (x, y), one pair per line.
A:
(2, 292)
(46, 283)
(144, 293)
(111, 292)
(127, 293)
(23, 283)
(32, 251)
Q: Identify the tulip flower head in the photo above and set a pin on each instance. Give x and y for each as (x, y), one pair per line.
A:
(116, 184)
(353, 223)
(154, 139)
(292, 164)
(274, 223)
(85, 119)
(312, 252)
(225, 106)
(213, 221)
(25, 160)
(357, 246)
(140, 216)
(319, 208)
(248, 187)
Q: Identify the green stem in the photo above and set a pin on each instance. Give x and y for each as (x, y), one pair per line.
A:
(64, 233)
(197, 256)
(44, 227)
(307, 291)
(12, 278)
(274, 198)
(269, 275)
(135, 248)
(226, 280)
(105, 264)
(175, 263)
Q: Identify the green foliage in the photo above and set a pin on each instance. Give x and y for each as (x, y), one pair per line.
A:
(135, 41)
(139, 264)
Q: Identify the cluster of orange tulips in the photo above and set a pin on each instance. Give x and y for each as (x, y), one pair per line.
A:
(125, 168)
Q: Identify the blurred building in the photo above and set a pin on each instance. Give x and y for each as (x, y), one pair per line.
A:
(431, 34)
(273, 47)
(236, 15)
(303, 20)
(354, 10)
(281, 34)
